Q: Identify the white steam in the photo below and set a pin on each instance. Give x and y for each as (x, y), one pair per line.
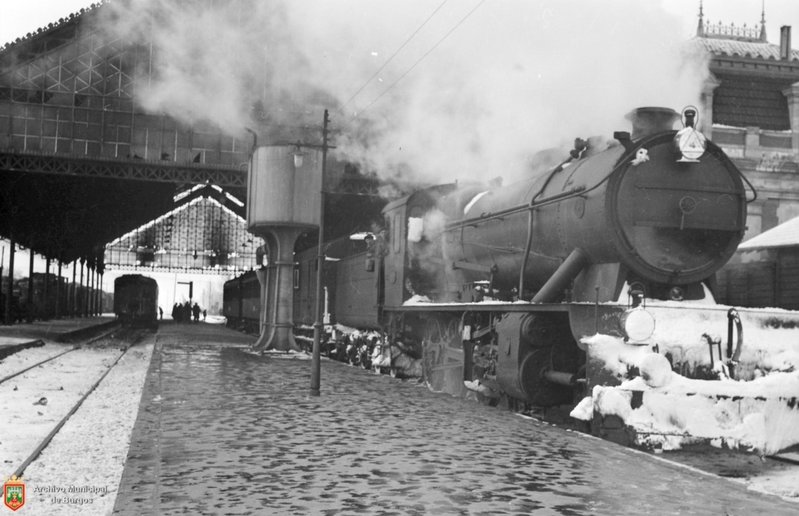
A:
(469, 96)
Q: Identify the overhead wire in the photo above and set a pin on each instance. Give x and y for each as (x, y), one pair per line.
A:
(430, 51)
(399, 49)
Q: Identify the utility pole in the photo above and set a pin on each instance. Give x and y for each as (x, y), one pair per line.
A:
(319, 324)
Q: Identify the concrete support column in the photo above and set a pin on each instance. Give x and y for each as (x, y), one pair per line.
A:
(90, 301)
(82, 294)
(46, 290)
(73, 294)
(792, 94)
(8, 316)
(279, 285)
(58, 292)
(99, 293)
(754, 219)
(29, 306)
(752, 148)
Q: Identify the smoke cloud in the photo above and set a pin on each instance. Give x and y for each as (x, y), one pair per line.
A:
(475, 93)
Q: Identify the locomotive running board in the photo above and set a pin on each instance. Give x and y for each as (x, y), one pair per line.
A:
(480, 307)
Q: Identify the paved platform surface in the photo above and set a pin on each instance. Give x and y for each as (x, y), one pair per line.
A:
(9, 346)
(53, 329)
(221, 431)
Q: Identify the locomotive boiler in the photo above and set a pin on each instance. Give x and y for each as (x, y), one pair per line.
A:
(491, 289)
(637, 211)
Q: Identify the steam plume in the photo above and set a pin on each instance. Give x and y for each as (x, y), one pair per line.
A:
(496, 85)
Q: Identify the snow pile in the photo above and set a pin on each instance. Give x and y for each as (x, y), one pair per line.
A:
(656, 370)
(416, 300)
(770, 338)
(671, 418)
(393, 357)
(273, 353)
(667, 409)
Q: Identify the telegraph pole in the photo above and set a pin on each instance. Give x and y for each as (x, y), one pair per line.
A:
(319, 324)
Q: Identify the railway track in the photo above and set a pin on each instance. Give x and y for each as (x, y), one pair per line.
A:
(74, 348)
(122, 339)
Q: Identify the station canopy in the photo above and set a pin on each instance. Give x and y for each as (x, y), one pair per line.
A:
(784, 235)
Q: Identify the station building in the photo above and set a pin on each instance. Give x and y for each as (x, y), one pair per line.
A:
(750, 107)
(191, 250)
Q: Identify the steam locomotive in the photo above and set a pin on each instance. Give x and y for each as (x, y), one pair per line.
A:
(491, 288)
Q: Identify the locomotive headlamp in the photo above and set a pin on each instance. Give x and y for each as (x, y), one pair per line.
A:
(676, 294)
(638, 324)
(688, 140)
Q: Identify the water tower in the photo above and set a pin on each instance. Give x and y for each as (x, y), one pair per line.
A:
(284, 189)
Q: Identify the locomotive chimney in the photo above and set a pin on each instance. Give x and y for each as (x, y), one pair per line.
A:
(785, 42)
(651, 120)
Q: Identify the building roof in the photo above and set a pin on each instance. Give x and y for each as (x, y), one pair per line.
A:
(784, 235)
(50, 28)
(738, 48)
(200, 233)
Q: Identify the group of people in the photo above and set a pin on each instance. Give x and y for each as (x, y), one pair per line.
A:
(186, 312)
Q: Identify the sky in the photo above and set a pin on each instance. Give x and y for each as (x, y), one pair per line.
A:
(18, 17)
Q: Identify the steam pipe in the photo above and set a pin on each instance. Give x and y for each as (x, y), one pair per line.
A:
(568, 270)
(734, 318)
(265, 340)
(559, 377)
(254, 137)
(528, 245)
(518, 209)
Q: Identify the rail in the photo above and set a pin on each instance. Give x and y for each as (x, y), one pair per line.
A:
(75, 348)
(49, 437)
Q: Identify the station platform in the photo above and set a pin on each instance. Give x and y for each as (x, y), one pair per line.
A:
(16, 337)
(11, 345)
(221, 430)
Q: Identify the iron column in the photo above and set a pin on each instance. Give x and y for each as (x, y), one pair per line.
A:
(320, 264)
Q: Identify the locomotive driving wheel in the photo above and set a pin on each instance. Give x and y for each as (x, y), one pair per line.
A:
(443, 356)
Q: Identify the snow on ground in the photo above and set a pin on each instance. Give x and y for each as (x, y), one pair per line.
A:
(79, 472)
(783, 481)
(35, 401)
(29, 356)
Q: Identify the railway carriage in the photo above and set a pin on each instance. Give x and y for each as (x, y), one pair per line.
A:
(241, 302)
(136, 300)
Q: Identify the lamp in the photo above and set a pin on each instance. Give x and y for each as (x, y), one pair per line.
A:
(298, 156)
